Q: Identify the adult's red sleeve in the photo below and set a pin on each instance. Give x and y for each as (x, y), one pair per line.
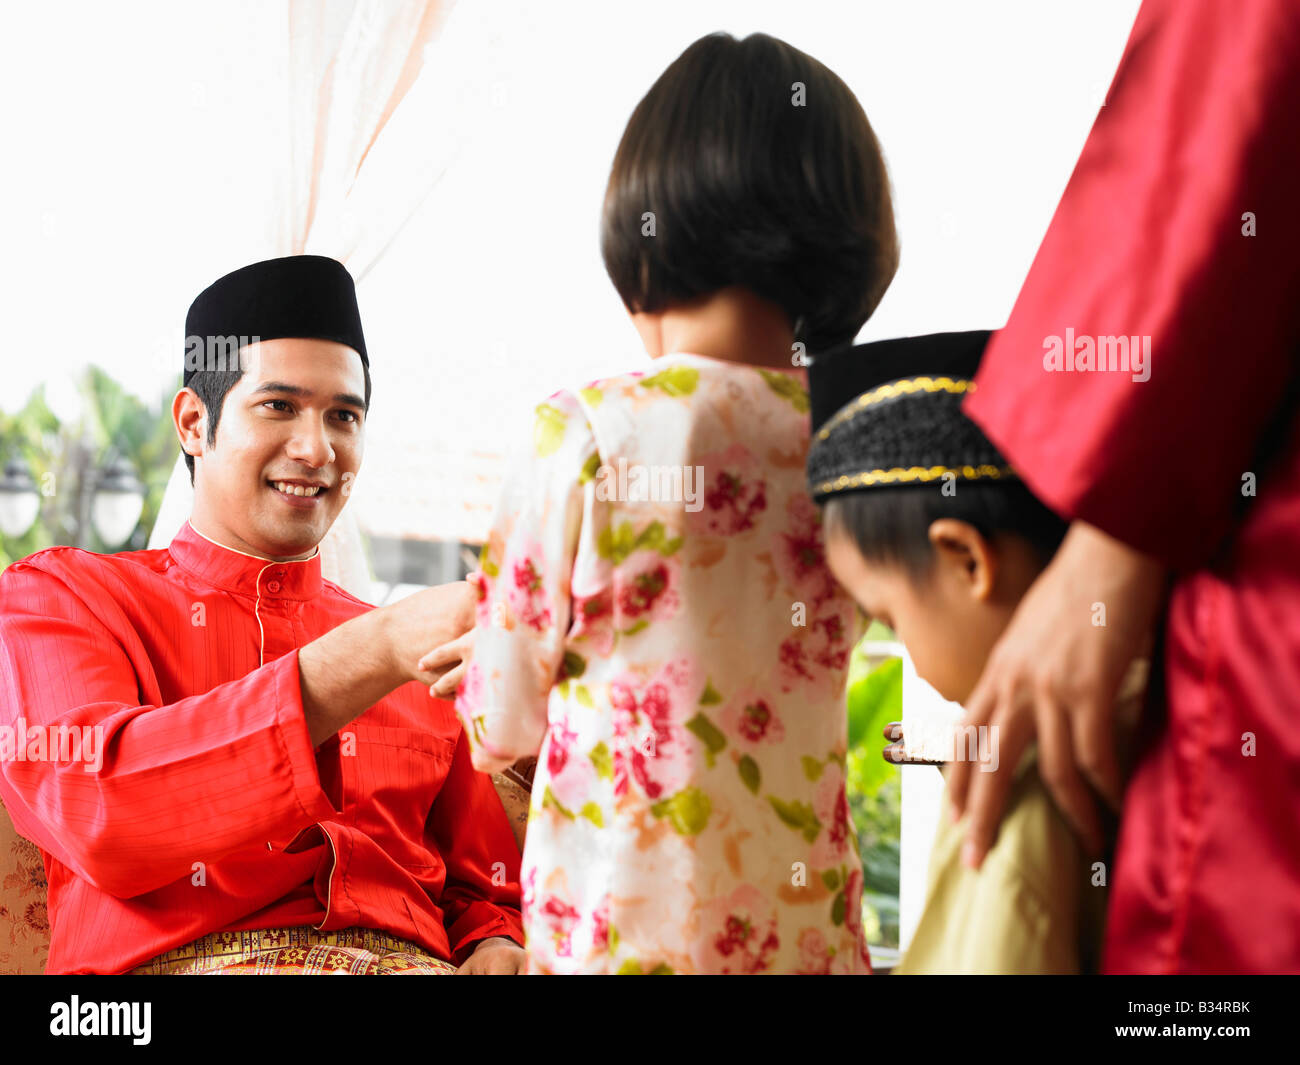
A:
(469, 828)
(1198, 143)
(190, 781)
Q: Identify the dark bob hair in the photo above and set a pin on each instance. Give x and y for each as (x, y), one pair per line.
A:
(761, 171)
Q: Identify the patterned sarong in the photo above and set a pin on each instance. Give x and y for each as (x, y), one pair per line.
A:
(298, 951)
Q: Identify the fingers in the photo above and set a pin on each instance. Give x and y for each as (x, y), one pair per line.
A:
(1056, 766)
(446, 685)
(442, 657)
(979, 709)
(1093, 732)
(991, 773)
(893, 731)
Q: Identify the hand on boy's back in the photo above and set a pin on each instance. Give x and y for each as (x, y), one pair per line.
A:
(1053, 676)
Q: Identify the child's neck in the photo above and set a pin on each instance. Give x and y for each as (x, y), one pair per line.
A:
(731, 324)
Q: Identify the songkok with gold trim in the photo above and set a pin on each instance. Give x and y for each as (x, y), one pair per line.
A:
(889, 413)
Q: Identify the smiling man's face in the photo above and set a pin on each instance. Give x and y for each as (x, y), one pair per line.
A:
(288, 447)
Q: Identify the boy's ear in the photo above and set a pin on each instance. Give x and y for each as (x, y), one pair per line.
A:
(188, 414)
(965, 554)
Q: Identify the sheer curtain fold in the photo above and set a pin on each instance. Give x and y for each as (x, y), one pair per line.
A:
(351, 175)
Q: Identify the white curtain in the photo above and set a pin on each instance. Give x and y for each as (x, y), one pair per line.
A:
(365, 142)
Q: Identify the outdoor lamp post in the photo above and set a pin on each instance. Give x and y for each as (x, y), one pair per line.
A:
(119, 501)
(19, 500)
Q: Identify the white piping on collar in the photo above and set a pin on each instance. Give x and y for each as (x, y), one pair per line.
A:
(260, 558)
(261, 632)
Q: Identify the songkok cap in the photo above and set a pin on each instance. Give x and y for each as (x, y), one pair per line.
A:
(296, 296)
(889, 413)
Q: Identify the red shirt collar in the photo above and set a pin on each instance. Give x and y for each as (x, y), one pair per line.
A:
(234, 571)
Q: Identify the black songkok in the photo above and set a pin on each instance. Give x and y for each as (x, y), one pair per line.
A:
(296, 296)
(889, 413)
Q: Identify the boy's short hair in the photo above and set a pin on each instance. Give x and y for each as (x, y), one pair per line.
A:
(761, 170)
(892, 451)
(891, 525)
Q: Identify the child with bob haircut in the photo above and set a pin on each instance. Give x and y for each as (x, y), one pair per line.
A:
(657, 621)
(936, 537)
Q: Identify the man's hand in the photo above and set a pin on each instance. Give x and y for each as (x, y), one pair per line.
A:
(1054, 675)
(429, 618)
(444, 667)
(495, 957)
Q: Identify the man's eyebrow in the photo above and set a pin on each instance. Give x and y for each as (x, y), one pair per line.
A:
(281, 388)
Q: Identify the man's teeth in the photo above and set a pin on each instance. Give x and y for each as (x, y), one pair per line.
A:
(296, 489)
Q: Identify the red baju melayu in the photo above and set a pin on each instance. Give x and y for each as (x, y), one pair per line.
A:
(1181, 224)
(211, 811)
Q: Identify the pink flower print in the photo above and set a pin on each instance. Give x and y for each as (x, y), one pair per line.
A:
(800, 554)
(650, 747)
(593, 621)
(734, 492)
(750, 720)
(469, 694)
(527, 596)
(853, 916)
(737, 934)
(648, 593)
(831, 805)
(814, 953)
(559, 918)
(795, 663)
(600, 927)
(572, 777)
(559, 748)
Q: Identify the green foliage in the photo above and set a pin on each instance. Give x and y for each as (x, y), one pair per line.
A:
(875, 698)
(65, 460)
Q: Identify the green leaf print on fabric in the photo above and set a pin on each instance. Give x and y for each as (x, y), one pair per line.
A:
(838, 908)
(485, 563)
(574, 664)
(583, 694)
(709, 734)
(589, 468)
(592, 813)
(710, 696)
(632, 967)
(812, 768)
(798, 815)
(548, 430)
(549, 800)
(593, 396)
(749, 773)
(831, 878)
(602, 761)
(688, 811)
(675, 381)
(618, 544)
(788, 388)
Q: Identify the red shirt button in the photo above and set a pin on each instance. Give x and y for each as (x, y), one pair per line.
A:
(273, 586)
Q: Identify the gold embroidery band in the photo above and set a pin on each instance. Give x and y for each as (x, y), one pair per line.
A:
(298, 951)
(899, 475)
(952, 385)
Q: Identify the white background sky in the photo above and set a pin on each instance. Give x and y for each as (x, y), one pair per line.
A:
(137, 166)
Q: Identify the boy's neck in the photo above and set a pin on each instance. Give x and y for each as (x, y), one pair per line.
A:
(732, 325)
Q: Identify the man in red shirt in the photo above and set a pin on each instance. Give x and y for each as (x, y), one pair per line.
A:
(257, 749)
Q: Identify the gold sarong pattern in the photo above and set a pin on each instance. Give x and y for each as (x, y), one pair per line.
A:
(300, 951)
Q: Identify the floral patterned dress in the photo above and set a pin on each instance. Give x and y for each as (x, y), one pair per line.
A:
(657, 620)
